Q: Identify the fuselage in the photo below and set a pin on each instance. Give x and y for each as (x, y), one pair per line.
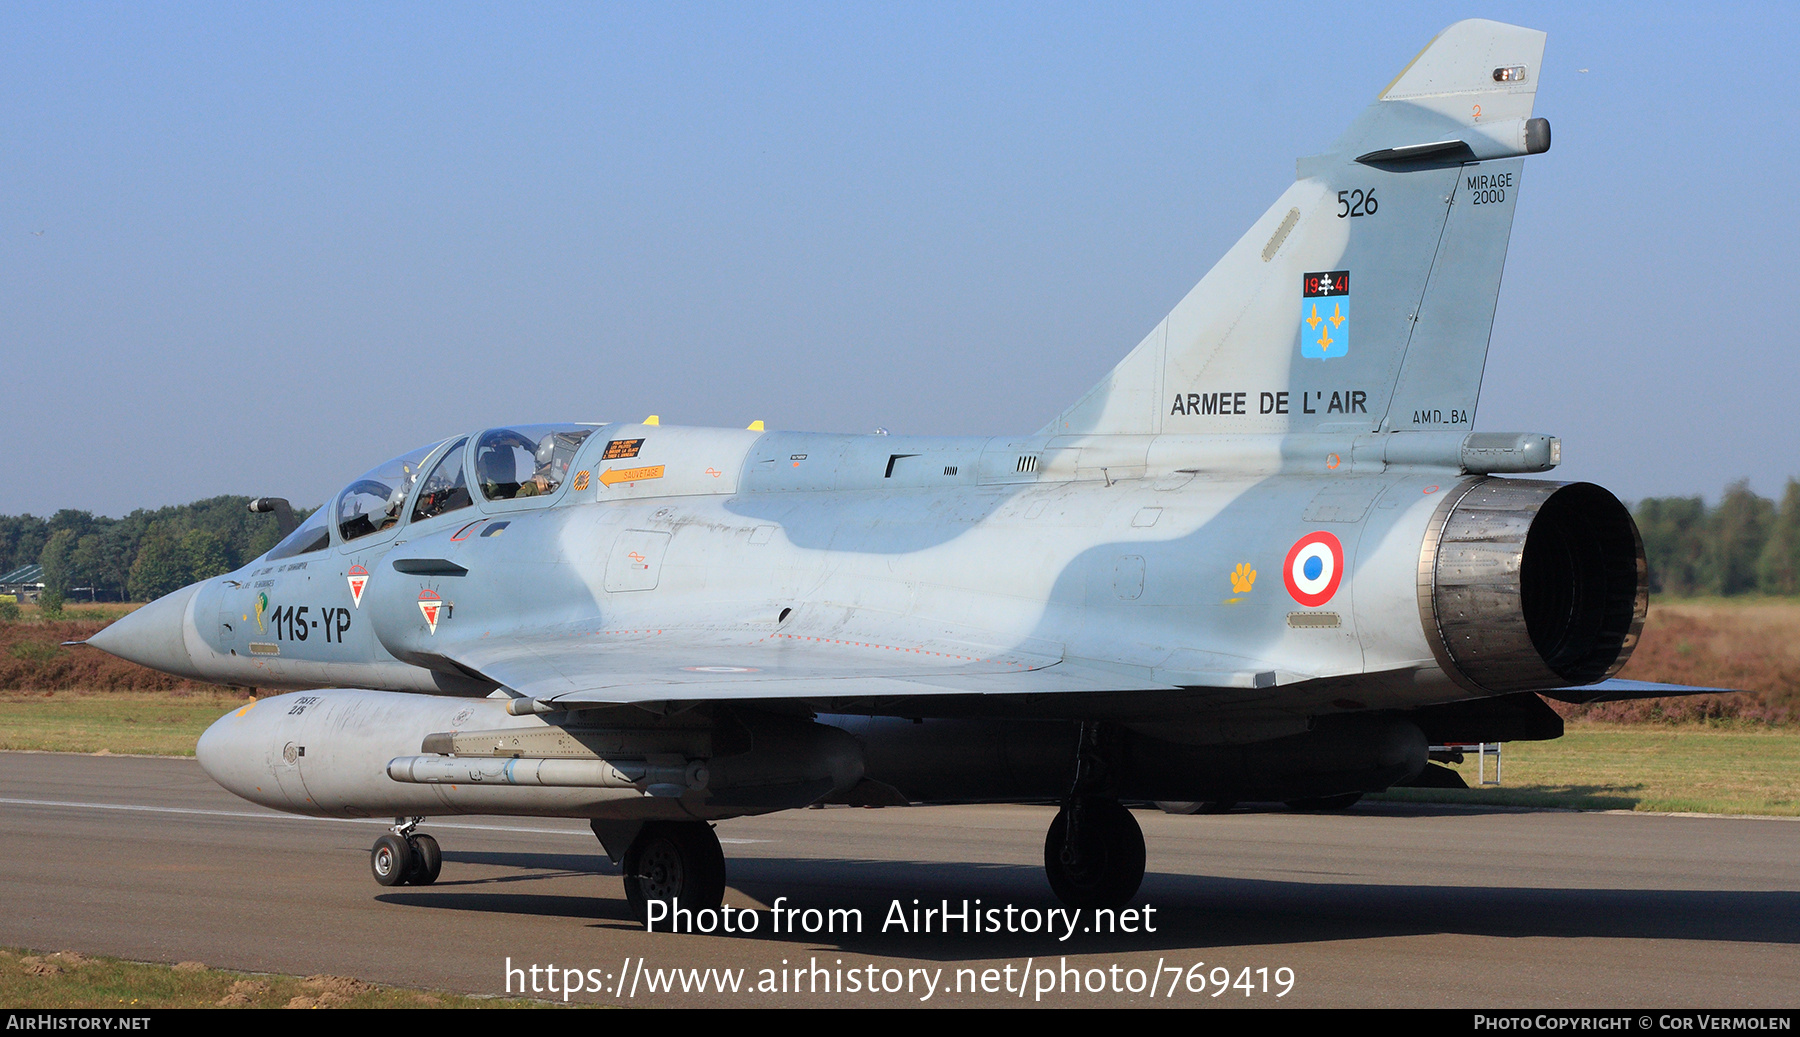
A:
(1311, 597)
(1159, 556)
(1264, 557)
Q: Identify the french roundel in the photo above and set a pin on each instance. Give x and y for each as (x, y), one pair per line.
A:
(1315, 565)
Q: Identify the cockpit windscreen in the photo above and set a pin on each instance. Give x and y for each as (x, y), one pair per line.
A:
(313, 535)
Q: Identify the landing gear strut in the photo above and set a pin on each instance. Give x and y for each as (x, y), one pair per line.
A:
(402, 858)
(674, 860)
(1094, 851)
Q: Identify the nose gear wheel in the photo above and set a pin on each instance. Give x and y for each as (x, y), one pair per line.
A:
(403, 858)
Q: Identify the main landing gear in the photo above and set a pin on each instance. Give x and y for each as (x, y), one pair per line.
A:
(402, 858)
(1094, 851)
(674, 860)
(1094, 854)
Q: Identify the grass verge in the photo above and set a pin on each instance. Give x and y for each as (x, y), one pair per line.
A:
(70, 980)
(1712, 769)
(146, 722)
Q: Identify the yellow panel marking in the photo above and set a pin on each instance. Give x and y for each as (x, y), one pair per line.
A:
(618, 475)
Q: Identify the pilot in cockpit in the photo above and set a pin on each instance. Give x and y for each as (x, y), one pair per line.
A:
(550, 469)
(395, 501)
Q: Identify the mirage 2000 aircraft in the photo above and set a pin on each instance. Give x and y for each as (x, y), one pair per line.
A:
(1266, 558)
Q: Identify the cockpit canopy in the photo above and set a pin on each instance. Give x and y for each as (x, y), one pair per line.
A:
(445, 489)
(529, 461)
(373, 502)
(513, 463)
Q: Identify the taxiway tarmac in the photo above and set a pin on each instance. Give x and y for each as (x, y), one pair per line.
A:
(1384, 906)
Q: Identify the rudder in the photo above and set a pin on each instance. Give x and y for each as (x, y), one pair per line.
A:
(1363, 299)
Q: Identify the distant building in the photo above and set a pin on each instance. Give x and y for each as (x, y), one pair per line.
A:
(24, 584)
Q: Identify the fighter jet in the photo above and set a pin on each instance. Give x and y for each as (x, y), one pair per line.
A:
(1266, 557)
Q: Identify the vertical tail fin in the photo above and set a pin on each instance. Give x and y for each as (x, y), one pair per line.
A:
(1363, 299)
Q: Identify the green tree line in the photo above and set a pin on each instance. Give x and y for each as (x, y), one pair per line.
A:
(1745, 544)
(139, 557)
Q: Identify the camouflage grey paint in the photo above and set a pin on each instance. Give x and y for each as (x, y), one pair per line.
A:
(1128, 563)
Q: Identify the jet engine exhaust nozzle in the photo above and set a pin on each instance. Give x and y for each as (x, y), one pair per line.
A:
(1527, 585)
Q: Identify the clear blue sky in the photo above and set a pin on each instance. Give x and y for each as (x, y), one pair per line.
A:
(255, 248)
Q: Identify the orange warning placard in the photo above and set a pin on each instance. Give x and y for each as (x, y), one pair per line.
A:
(617, 475)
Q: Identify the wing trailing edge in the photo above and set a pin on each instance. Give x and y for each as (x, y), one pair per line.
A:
(1616, 690)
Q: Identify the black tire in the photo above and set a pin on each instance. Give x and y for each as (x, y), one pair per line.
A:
(391, 861)
(1108, 868)
(674, 860)
(428, 860)
(1325, 804)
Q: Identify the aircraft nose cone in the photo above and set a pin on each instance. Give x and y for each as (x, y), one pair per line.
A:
(153, 636)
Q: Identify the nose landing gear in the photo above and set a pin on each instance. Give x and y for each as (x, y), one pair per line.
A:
(401, 858)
